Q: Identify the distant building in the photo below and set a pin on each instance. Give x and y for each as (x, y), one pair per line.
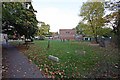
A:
(55, 36)
(79, 37)
(67, 34)
(87, 38)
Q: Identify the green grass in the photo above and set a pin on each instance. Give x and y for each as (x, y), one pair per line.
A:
(77, 59)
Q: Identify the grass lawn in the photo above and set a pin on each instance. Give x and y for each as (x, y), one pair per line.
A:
(77, 59)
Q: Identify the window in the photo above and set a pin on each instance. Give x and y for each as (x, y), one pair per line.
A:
(68, 32)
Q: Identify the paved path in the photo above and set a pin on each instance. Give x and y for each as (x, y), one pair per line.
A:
(16, 65)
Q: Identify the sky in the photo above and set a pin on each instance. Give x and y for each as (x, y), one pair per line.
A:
(59, 14)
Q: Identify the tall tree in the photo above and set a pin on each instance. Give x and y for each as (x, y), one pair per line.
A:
(43, 29)
(114, 18)
(19, 17)
(93, 12)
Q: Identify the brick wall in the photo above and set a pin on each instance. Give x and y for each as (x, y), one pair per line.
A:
(68, 34)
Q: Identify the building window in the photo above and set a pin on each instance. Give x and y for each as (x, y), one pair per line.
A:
(68, 32)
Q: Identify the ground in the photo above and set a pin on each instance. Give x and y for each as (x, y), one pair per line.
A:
(77, 59)
(16, 65)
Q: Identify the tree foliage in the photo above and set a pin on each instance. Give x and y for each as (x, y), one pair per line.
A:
(43, 29)
(93, 12)
(84, 29)
(19, 18)
(114, 18)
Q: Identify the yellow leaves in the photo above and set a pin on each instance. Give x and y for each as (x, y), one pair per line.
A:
(46, 70)
(30, 14)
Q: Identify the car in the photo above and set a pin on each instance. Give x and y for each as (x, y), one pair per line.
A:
(39, 37)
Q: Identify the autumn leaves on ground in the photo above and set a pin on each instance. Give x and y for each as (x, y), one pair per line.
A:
(77, 59)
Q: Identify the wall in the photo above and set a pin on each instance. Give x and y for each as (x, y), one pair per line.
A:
(68, 34)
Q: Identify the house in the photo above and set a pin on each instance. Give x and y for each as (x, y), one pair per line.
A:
(79, 37)
(67, 34)
(87, 38)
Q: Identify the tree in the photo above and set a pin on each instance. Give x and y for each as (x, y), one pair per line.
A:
(105, 32)
(19, 18)
(43, 29)
(84, 29)
(114, 18)
(93, 12)
(80, 27)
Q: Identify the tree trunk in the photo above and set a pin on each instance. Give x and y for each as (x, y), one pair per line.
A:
(93, 30)
(118, 37)
(96, 40)
(118, 31)
(118, 41)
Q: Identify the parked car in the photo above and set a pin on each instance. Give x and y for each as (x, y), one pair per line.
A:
(39, 37)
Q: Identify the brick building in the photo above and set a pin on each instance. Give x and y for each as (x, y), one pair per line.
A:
(67, 34)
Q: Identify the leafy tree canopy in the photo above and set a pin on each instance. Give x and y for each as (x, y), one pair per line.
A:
(93, 12)
(19, 18)
(43, 29)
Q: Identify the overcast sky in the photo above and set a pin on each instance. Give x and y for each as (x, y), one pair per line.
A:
(59, 14)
